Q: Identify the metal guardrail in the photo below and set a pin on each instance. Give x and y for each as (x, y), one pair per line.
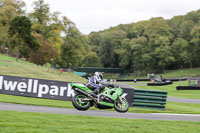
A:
(151, 99)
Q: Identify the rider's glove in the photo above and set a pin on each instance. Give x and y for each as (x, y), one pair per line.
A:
(112, 85)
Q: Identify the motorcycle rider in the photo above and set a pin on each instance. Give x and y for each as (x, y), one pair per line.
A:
(94, 83)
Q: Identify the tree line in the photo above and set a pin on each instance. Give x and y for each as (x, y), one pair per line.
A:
(146, 46)
(41, 36)
(152, 45)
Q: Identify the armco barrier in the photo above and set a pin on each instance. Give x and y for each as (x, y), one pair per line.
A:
(151, 99)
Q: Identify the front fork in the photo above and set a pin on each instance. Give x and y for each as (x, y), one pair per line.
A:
(121, 97)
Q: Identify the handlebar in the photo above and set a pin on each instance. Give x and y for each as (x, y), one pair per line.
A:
(112, 85)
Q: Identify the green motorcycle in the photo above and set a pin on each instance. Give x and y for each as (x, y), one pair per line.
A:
(111, 97)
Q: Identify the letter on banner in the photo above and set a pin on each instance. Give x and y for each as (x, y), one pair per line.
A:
(54, 90)
(10, 85)
(1, 82)
(43, 89)
(22, 87)
(70, 92)
(62, 90)
(30, 83)
(35, 86)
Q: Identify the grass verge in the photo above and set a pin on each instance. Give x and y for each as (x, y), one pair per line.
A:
(171, 89)
(167, 74)
(24, 122)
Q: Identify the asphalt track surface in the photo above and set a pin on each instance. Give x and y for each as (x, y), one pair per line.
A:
(183, 100)
(98, 113)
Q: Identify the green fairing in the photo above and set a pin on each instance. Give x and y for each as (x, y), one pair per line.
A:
(107, 104)
(81, 86)
(115, 95)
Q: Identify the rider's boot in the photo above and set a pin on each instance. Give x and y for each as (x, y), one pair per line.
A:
(95, 93)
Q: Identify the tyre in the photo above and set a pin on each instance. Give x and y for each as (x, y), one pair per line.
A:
(78, 102)
(121, 106)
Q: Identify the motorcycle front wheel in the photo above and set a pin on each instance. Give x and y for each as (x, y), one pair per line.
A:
(79, 103)
(121, 105)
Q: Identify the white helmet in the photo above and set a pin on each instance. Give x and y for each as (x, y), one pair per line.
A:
(98, 76)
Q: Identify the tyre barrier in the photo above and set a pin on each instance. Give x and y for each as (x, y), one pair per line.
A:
(127, 80)
(160, 83)
(136, 80)
(143, 79)
(188, 88)
(181, 79)
(150, 99)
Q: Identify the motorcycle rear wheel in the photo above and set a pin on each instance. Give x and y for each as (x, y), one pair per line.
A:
(79, 104)
(121, 106)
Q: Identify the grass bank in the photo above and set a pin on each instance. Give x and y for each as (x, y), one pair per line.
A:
(26, 69)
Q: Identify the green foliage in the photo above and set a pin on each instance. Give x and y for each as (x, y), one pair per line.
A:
(110, 47)
(68, 49)
(41, 12)
(45, 29)
(9, 9)
(91, 60)
(45, 53)
(73, 50)
(153, 45)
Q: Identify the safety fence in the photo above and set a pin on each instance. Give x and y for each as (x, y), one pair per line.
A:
(151, 99)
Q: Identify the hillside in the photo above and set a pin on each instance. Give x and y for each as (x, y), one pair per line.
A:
(26, 69)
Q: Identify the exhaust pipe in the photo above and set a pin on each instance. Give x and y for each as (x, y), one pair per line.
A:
(83, 92)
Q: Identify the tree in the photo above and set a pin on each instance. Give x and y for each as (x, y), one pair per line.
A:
(175, 24)
(94, 40)
(74, 48)
(139, 28)
(91, 60)
(45, 53)
(40, 18)
(110, 47)
(195, 45)
(20, 28)
(180, 52)
(9, 9)
(163, 57)
(50, 25)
